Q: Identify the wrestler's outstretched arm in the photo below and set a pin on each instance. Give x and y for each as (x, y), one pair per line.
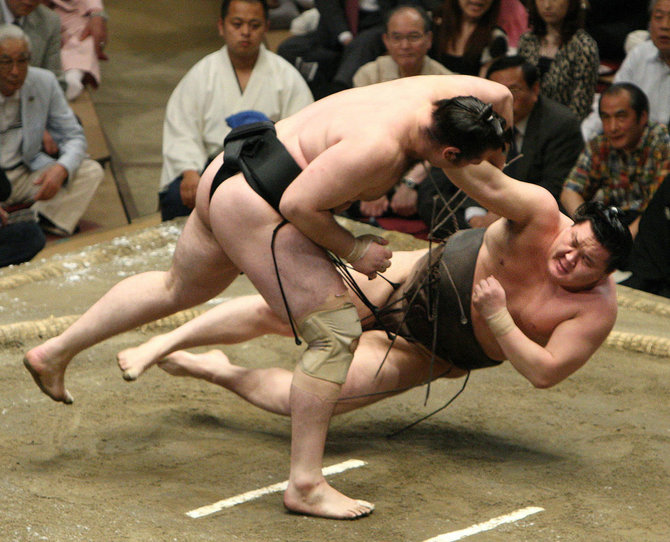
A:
(520, 202)
(333, 180)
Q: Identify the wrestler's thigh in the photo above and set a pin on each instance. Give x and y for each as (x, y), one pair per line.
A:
(378, 371)
(199, 264)
(243, 224)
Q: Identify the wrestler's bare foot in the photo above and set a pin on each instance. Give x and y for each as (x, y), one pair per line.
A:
(324, 501)
(135, 361)
(213, 366)
(48, 371)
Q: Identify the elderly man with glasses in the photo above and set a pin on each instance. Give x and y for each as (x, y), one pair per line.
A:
(58, 189)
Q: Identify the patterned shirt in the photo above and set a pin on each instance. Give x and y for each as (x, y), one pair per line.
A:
(573, 74)
(627, 179)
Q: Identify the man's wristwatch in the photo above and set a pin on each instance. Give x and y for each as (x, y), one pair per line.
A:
(409, 183)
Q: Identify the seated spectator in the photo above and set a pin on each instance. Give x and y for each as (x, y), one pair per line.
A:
(344, 40)
(547, 140)
(648, 67)
(408, 38)
(57, 189)
(83, 40)
(242, 75)
(610, 21)
(627, 167)
(42, 27)
(563, 51)
(466, 35)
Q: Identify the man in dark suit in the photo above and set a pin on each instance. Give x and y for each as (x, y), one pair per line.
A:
(547, 144)
(349, 35)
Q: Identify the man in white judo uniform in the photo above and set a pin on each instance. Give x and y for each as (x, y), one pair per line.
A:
(243, 80)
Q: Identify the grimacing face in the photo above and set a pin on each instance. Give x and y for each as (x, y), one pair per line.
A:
(577, 260)
(407, 41)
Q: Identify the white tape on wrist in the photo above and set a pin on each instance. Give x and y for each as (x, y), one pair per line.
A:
(501, 323)
(361, 245)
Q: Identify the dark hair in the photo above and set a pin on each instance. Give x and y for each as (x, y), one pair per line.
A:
(574, 20)
(449, 17)
(608, 229)
(469, 124)
(638, 99)
(225, 5)
(530, 72)
(427, 23)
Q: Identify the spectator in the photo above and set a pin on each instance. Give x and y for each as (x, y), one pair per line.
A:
(467, 38)
(83, 40)
(408, 38)
(344, 40)
(43, 30)
(627, 167)
(242, 75)
(547, 140)
(648, 67)
(563, 51)
(57, 189)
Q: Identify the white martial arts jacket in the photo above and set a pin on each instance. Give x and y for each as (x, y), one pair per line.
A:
(195, 125)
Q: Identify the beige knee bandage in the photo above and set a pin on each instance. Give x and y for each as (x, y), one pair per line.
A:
(331, 335)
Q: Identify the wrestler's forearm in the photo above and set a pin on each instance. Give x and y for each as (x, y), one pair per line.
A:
(530, 359)
(498, 193)
(321, 227)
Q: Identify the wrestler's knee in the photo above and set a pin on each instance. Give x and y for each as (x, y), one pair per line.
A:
(332, 334)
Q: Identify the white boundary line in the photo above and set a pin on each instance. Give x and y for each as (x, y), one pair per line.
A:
(274, 488)
(487, 525)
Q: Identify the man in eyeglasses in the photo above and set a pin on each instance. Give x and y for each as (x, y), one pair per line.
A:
(408, 38)
(57, 189)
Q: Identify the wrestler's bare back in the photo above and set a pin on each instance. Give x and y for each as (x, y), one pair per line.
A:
(381, 124)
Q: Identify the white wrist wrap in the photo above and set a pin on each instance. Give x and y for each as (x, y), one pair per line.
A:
(501, 323)
(361, 245)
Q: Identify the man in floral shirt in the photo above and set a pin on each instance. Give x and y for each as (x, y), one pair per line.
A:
(626, 166)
